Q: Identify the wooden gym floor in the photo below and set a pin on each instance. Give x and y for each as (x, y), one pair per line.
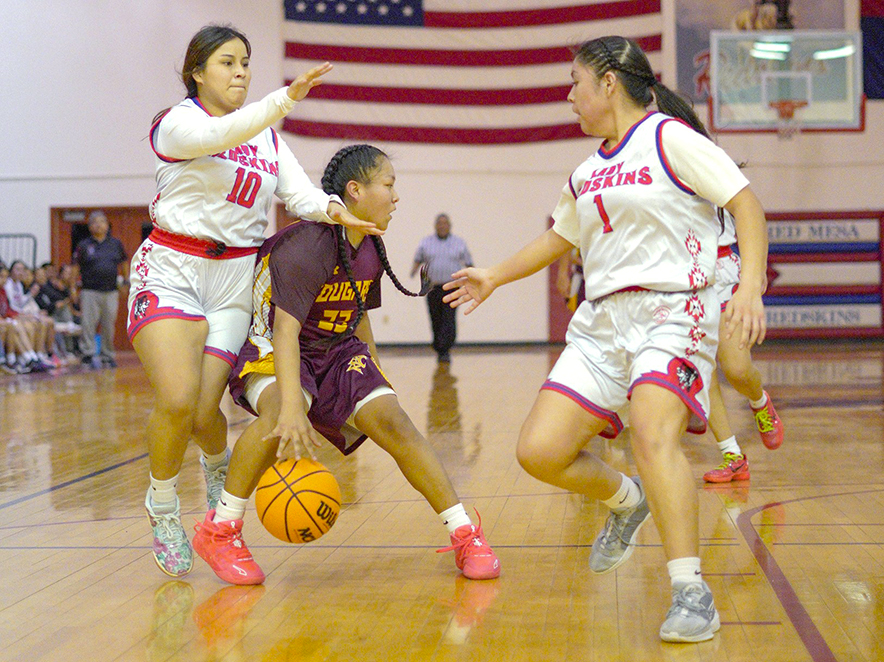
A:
(795, 557)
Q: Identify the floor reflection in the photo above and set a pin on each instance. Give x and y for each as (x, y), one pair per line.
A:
(444, 424)
(172, 603)
(302, 649)
(220, 619)
(470, 602)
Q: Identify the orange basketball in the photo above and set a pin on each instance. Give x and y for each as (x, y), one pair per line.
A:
(298, 501)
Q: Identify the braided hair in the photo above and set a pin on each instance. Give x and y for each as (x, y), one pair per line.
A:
(630, 64)
(359, 163)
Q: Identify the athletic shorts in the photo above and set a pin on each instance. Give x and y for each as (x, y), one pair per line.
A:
(727, 274)
(637, 337)
(336, 385)
(166, 283)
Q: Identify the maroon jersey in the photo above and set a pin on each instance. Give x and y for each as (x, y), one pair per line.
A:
(298, 271)
(307, 282)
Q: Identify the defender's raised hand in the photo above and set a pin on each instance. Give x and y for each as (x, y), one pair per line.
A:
(307, 81)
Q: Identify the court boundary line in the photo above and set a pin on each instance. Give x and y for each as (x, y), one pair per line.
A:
(72, 481)
(807, 630)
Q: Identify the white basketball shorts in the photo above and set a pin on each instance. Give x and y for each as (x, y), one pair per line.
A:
(634, 337)
(166, 283)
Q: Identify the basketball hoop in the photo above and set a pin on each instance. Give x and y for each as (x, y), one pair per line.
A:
(753, 90)
(786, 126)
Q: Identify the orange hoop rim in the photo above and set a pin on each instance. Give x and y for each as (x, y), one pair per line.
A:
(786, 107)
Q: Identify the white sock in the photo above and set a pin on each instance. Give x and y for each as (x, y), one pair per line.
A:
(214, 461)
(685, 570)
(30, 356)
(229, 507)
(627, 496)
(10, 358)
(455, 517)
(758, 404)
(730, 445)
(163, 494)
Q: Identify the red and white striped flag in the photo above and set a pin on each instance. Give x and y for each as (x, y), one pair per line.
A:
(450, 71)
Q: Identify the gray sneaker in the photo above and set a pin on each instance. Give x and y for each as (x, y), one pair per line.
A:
(615, 543)
(214, 480)
(692, 616)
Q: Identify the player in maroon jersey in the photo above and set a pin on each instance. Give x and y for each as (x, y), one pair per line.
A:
(309, 369)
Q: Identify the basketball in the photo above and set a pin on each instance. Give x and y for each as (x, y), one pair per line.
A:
(298, 500)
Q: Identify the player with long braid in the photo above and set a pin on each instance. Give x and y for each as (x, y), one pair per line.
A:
(309, 369)
(641, 209)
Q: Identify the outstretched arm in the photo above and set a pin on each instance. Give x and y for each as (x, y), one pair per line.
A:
(472, 286)
(299, 87)
(305, 200)
(193, 134)
(744, 313)
(339, 214)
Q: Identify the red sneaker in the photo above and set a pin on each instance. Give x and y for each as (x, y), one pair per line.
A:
(220, 544)
(734, 467)
(769, 424)
(472, 555)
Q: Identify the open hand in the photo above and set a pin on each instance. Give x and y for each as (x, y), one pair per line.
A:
(468, 286)
(296, 437)
(307, 81)
(340, 215)
(744, 313)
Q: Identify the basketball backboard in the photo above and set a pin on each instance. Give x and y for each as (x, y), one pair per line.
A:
(786, 80)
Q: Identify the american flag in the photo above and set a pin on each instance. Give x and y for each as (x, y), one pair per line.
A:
(449, 71)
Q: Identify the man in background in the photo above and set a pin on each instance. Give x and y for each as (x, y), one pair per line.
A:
(443, 253)
(104, 268)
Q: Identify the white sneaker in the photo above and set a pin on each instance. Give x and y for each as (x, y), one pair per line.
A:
(692, 617)
(214, 481)
(615, 544)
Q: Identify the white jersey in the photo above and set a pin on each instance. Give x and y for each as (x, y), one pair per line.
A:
(642, 213)
(216, 176)
(728, 236)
